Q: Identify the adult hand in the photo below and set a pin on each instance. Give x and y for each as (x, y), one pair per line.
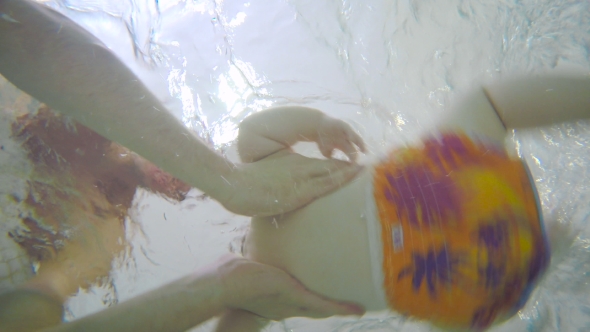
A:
(278, 185)
(272, 293)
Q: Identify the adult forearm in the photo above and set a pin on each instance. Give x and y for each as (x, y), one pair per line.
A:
(540, 101)
(177, 306)
(56, 61)
(230, 283)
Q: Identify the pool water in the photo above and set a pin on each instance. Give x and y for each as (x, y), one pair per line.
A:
(390, 68)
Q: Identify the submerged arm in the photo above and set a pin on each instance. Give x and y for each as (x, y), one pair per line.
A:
(267, 132)
(53, 59)
(56, 61)
(230, 283)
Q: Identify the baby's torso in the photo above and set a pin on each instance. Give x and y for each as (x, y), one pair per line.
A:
(325, 244)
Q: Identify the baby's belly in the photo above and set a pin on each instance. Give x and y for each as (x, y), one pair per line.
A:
(325, 245)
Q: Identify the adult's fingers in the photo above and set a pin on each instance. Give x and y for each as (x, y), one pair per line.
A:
(315, 306)
(284, 184)
(334, 174)
(328, 173)
(316, 178)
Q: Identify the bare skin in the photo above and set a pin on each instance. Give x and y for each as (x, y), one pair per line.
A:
(83, 185)
(325, 244)
(79, 193)
(56, 61)
(82, 78)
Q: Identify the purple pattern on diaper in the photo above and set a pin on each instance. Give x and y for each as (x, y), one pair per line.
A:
(418, 191)
(493, 242)
(493, 235)
(436, 267)
(423, 190)
(446, 150)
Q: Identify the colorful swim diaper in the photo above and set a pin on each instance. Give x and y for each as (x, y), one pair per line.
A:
(463, 239)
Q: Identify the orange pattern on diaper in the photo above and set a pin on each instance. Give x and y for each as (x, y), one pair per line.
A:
(462, 238)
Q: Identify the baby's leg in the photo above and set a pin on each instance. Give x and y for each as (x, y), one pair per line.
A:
(475, 114)
(240, 321)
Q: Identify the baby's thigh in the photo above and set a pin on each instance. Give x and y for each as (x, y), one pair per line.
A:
(475, 114)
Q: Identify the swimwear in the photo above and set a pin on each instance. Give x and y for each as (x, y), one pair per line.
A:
(461, 232)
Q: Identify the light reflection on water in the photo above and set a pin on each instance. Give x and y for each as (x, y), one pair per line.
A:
(391, 68)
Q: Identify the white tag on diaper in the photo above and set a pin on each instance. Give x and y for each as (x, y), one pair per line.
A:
(397, 234)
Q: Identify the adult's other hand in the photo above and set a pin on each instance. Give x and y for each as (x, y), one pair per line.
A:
(272, 293)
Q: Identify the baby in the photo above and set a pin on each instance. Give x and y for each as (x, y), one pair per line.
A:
(449, 231)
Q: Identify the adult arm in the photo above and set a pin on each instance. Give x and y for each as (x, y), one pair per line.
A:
(272, 130)
(230, 283)
(56, 61)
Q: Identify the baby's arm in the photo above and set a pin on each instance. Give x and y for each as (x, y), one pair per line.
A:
(265, 133)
